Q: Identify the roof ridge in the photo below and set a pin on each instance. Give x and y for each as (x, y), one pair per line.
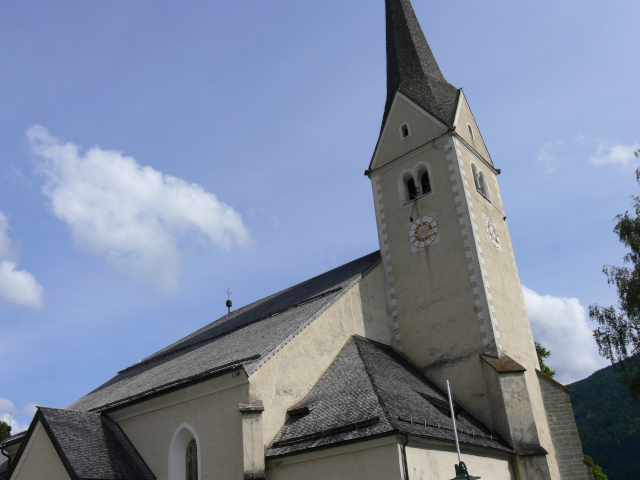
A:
(227, 332)
(266, 356)
(229, 317)
(357, 339)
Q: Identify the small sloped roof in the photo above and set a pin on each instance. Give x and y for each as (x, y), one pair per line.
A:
(13, 439)
(91, 446)
(368, 391)
(245, 338)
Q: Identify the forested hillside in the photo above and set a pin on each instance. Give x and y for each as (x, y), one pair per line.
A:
(609, 423)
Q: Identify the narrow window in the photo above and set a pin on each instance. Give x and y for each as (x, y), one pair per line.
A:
(411, 189)
(425, 184)
(470, 131)
(476, 179)
(404, 130)
(192, 461)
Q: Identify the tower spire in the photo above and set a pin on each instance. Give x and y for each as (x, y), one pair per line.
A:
(411, 67)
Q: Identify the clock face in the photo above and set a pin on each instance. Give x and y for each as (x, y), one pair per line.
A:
(492, 231)
(423, 232)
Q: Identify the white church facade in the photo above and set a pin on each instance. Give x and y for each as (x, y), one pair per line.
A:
(344, 375)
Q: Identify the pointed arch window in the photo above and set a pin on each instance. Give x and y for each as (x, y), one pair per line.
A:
(191, 461)
(471, 131)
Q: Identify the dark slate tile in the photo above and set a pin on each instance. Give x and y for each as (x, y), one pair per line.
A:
(371, 390)
(412, 68)
(94, 446)
(244, 338)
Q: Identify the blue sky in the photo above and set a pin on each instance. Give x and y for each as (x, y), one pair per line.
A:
(153, 154)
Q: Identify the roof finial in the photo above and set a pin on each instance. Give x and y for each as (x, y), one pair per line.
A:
(229, 302)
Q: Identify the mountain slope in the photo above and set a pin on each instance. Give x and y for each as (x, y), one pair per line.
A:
(608, 422)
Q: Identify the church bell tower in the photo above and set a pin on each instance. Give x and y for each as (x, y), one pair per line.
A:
(452, 285)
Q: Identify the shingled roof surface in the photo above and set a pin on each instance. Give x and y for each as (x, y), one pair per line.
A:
(411, 67)
(4, 467)
(92, 446)
(246, 337)
(368, 391)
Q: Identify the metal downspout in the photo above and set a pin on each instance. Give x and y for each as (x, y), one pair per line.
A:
(2, 451)
(404, 457)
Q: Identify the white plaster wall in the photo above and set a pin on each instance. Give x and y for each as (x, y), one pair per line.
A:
(436, 320)
(461, 296)
(379, 462)
(215, 418)
(465, 117)
(287, 377)
(392, 145)
(427, 464)
(41, 461)
(503, 286)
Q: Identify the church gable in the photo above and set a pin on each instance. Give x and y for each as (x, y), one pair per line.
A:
(38, 459)
(245, 339)
(407, 128)
(370, 390)
(466, 126)
(63, 444)
(288, 376)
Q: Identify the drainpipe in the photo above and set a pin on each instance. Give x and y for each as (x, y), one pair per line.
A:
(404, 457)
(5, 454)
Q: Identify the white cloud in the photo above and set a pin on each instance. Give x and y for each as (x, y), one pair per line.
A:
(612, 153)
(8, 414)
(548, 156)
(561, 325)
(17, 287)
(129, 214)
(553, 155)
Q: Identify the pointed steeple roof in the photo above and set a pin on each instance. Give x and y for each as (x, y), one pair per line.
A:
(411, 67)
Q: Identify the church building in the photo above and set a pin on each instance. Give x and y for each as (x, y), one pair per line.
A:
(345, 375)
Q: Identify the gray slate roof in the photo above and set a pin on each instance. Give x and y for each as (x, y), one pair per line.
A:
(13, 439)
(411, 67)
(245, 338)
(91, 446)
(369, 391)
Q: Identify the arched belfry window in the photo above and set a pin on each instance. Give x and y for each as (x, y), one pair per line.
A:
(425, 183)
(191, 461)
(484, 190)
(412, 191)
(480, 182)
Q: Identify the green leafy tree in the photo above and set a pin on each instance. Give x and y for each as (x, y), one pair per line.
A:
(598, 474)
(618, 335)
(5, 430)
(543, 353)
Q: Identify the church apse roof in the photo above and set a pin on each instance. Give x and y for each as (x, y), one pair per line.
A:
(245, 338)
(370, 391)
